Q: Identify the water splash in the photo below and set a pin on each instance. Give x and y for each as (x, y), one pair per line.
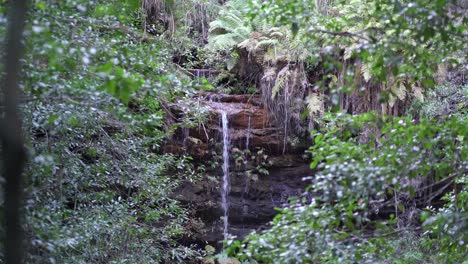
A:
(185, 136)
(247, 141)
(225, 190)
(198, 76)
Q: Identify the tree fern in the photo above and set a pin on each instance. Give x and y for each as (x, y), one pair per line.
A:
(225, 23)
(248, 44)
(263, 44)
(243, 32)
(228, 29)
(223, 41)
(260, 24)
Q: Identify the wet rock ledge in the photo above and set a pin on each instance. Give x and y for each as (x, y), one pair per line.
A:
(262, 176)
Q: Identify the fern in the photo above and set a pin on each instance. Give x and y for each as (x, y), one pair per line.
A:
(232, 60)
(266, 43)
(222, 42)
(366, 71)
(260, 24)
(281, 80)
(314, 104)
(242, 32)
(399, 89)
(271, 55)
(348, 51)
(248, 44)
(228, 29)
(226, 23)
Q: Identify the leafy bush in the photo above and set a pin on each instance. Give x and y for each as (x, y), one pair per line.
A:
(95, 191)
(97, 188)
(444, 100)
(368, 199)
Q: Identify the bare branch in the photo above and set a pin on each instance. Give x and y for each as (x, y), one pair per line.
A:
(342, 34)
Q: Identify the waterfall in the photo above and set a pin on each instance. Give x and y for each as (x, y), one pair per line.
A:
(225, 190)
(185, 135)
(247, 141)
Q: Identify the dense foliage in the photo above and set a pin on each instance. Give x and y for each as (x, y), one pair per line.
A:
(97, 188)
(387, 189)
(370, 199)
(100, 76)
(394, 40)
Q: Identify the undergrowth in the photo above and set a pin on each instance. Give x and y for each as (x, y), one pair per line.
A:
(387, 190)
(96, 88)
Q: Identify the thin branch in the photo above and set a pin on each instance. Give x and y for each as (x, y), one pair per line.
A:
(342, 34)
(438, 192)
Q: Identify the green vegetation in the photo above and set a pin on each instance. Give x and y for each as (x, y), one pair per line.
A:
(378, 176)
(377, 89)
(97, 186)
(403, 167)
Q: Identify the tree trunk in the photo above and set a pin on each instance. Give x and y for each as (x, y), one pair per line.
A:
(13, 151)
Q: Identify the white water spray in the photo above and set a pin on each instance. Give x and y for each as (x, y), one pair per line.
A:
(225, 190)
(247, 141)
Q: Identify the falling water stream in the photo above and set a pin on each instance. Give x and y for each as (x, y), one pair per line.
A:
(247, 141)
(225, 190)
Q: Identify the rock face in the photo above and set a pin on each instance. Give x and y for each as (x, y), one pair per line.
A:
(242, 110)
(262, 176)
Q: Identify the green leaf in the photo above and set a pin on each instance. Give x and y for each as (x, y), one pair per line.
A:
(318, 138)
(40, 5)
(314, 164)
(52, 118)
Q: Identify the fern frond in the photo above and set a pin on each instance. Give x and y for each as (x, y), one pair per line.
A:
(266, 43)
(314, 103)
(399, 89)
(276, 35)
(391, 101)
(348, 52)
(248, 44)
(280, 82)
(242, 31)
(222, 42)
(366, 72)
(270, 55)
(225, 23)
(232, 61)
(260, 24)
(274, 29)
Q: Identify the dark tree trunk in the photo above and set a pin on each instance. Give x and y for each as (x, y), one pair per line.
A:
(13, 152)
